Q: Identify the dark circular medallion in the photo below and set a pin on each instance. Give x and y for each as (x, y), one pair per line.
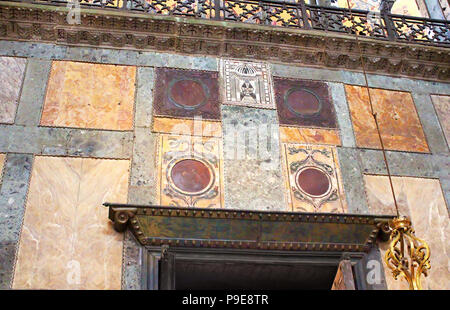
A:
(187, 94)
(303, 102)
(313, 181)
(191, 175)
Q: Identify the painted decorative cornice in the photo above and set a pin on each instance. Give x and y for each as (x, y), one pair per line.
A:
(137, 31)
(228, 228)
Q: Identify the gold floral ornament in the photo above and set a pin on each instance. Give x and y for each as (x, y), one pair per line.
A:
(407, 256)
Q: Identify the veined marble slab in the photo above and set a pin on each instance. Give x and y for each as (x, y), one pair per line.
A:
(422, 200)
(399, 125)
(442, 106)
(84, 95)
(66, 240)
(12, 70)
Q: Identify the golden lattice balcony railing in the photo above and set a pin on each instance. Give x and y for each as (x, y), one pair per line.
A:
(292, 14)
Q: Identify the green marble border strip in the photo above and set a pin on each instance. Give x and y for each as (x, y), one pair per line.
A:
(13, 196)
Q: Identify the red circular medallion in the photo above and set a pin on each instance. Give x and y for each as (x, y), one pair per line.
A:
(303, 102)
(313, 182)
(188, 93)
(190, 175)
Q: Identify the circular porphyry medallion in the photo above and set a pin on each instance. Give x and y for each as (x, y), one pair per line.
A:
(302, 102)
(191, 176)
(313, 181)
(187, 94)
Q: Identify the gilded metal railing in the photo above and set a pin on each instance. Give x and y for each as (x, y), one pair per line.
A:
(292, 14)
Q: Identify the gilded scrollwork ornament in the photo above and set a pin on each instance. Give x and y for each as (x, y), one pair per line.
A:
(407, 256)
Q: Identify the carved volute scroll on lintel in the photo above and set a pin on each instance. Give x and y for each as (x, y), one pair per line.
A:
(228, 228)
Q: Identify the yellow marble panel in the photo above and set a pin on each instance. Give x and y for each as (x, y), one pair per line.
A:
(67, 241)
(190, 171)
(2, 163)
(399, 124)
(84, 95)
(422, 200)
(313, 179)
(309, 135)
(187, 126)
(442, 106)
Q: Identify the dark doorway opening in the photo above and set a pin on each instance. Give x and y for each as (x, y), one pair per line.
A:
(225, 269)
(239, 275)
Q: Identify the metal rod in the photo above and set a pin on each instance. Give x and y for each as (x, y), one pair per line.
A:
(374, 114)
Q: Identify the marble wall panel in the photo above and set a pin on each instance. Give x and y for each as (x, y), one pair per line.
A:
(369, 5)
(401, 7)
(313, 178)
(247, 83)
(304, 103)
(143, 167)
(7, 258)
(101, 55)
(99, 246)
(422, 200)
(65, 141)
(196, 127)
(190, 172)
(309, 135)
(352, 178)
(253, 176)
(430, 122)
(186, 93)
(66, 241)
(342, 114)
(32, 49)
(445, 8)
(33, 92)
(13, 193)
(406, 7)
(12, 71)
(144, 97)
(2, 163)
(379, 195)
(399, 125)
(442, 106)
(434, 8)
(84, 95)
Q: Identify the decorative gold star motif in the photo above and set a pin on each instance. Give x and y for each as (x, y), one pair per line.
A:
(285, 16)
(237, 9)
(171, 3)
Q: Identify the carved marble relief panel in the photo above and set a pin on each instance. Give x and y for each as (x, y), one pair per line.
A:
(186, 93)
(247, 83)
(84, 95)
(304, 103)
(422, 200)
(313, 178)
(12, 70)
(442, 106)
(65, 242)
(399, 124)
(190, 172)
